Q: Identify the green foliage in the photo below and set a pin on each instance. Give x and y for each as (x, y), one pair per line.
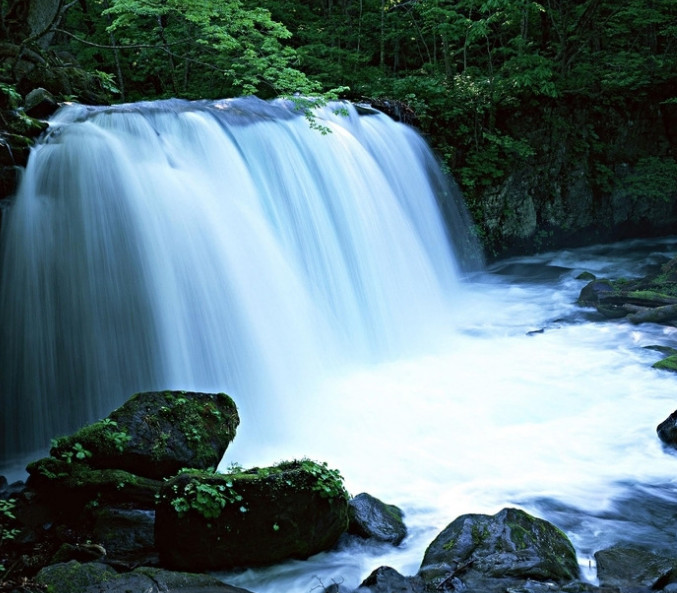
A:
(75, 452)
(207, 499)
(104, 433)
(204, 49)
(7, 517)
(328, 482)
(653, 179)
(10, 98)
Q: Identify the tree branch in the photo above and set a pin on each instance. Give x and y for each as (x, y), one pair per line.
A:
(116, 47)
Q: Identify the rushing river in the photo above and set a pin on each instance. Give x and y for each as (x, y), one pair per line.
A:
(525, 400)
(227, 246)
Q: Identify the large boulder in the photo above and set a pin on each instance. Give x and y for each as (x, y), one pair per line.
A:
(371, 518)
(207, 521)
(491, 553)
(155, 434)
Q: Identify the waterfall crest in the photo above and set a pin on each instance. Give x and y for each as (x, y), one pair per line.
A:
(214, 246)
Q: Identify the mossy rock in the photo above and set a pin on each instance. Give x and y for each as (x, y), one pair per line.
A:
(509, 546)
(155, 434)
(371, 518)
(72, 486)
(73, 576)
(651, 299)
(667, 364)
(94, 577)
(207, 521)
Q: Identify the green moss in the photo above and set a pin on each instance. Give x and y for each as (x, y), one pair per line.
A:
(208, 493)
(652, 295)
(103, 436)
(667, 364)
(479, 533)
(195, 418)
(520, 536)
(74, 577)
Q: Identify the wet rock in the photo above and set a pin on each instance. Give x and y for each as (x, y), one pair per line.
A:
(95, 577)
(388, 580)
(652, 299)
(667, 430)
(127, 535)
(40, 103)
(491, 553)
(207, 521)
(155, 434)
(8, 490)
(70, 487)
(371, 518)
(79, 552)
(632, 569)
(66, 577)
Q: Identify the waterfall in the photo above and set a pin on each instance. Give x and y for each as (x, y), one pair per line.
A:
(217, 246)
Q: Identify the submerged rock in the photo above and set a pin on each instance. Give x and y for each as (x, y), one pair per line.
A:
(207, 521)
(373, 519)
(155, 434)
(490, 553)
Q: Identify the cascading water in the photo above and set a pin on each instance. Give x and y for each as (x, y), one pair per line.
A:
(227, 246)
(212, 246)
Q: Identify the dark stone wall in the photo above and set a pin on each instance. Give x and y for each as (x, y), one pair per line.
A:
(599, 173)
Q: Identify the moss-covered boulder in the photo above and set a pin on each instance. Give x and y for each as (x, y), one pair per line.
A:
(371, 518)
(492, 553)
(207, 521)
(155, 434)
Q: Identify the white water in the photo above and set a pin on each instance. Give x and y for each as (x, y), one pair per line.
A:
(561, 423)
(309, 277)
(222, 246)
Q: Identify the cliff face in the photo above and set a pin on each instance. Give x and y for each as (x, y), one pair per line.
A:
(599, 173)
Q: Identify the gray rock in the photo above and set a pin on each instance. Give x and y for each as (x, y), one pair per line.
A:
(667, 430)
(99, 578)
(373, 519)
(388, 580)
(487, 553)
(630, 568)
(127, 535)
(40, 103)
